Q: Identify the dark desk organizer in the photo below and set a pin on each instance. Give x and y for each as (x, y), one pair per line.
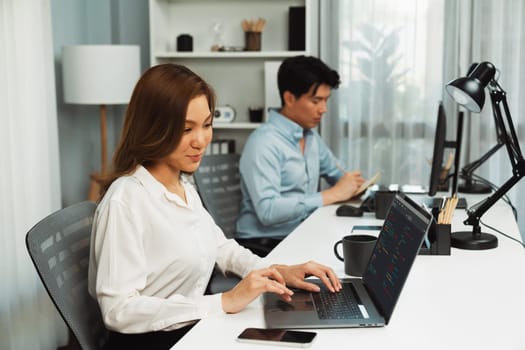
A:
(439, 237)
(438, 234)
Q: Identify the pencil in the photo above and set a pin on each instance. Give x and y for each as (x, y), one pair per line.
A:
(340, 168)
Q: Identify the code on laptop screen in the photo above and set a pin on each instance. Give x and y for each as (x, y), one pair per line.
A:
(396, 249)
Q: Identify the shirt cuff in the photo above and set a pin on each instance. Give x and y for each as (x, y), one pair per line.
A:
(210, 305)
(262, 263)
(313, 201)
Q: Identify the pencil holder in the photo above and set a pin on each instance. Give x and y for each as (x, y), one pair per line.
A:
(253, 41)
(439, 238)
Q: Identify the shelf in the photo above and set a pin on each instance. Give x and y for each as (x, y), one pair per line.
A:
(241, 79)
(228, 54)
(234, 125)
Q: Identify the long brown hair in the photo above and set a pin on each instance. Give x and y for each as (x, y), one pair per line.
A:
(155, 117)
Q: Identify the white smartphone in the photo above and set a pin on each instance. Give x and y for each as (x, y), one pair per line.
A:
(280, 337)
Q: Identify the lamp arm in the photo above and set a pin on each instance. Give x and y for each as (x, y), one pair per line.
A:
(475, 213)
(510, 140)
(496, 96)
(468, 169)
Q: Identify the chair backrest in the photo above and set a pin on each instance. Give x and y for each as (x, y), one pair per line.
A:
(59, 248)
(219, 184)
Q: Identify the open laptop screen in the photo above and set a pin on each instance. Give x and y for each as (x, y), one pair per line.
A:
(395, 251)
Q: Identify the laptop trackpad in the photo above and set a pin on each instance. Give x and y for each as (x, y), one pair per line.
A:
(301, 301)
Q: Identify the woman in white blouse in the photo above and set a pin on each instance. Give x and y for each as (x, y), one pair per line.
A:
(153, 245)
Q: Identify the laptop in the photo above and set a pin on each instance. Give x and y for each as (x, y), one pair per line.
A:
(437, 202)
(364, 302)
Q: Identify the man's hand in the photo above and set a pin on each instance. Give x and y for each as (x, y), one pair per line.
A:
(344, 189)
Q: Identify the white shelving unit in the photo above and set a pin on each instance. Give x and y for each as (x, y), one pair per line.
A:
(225, 54)
(236, 125)
(237, 76)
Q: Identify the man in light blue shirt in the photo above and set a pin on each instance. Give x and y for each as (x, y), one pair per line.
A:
(283, 159)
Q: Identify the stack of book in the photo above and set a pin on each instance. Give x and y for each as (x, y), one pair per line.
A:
(221, 146)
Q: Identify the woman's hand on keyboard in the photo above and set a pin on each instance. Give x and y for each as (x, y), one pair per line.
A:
(254, 284)
(295, 275)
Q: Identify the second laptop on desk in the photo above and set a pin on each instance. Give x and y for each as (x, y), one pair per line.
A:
(437, 202)
(366, 302)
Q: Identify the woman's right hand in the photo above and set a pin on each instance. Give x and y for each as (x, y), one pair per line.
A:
(253, 285)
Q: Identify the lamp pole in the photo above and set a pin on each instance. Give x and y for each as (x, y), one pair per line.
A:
(96, 178)
(103, 141)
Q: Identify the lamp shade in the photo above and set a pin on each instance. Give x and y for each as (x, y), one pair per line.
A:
(469, 91)
(100, 74)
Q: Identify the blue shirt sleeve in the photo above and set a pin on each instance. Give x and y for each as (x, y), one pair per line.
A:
(261, 165)
(329, 164)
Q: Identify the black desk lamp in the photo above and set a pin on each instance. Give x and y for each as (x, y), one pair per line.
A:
(471, 186)
(469, 92)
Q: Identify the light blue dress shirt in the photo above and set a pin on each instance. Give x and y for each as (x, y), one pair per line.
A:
(279, 183)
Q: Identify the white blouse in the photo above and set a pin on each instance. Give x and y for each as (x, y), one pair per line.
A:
(152, 256)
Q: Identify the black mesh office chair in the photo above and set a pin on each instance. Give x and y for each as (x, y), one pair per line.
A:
(219, 184)
(59, 248)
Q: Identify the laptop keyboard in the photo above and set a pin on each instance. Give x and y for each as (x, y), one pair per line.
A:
(340, 305)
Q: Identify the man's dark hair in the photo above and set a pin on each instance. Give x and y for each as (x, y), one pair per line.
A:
(297, 75)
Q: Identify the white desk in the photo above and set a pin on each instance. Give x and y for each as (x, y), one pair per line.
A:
(469, 300)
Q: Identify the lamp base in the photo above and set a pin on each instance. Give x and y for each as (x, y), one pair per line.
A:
(94, 187)
(473, 241)
(474, 187)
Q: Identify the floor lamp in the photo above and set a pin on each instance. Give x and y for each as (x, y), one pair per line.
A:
(99, 75)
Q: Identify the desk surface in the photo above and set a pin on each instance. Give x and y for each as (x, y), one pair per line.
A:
(470, 300)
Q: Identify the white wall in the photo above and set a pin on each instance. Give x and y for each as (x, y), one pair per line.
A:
(91, 22)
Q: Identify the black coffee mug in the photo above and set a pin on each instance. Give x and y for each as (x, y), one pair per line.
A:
(357, 250)
(383, 201)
